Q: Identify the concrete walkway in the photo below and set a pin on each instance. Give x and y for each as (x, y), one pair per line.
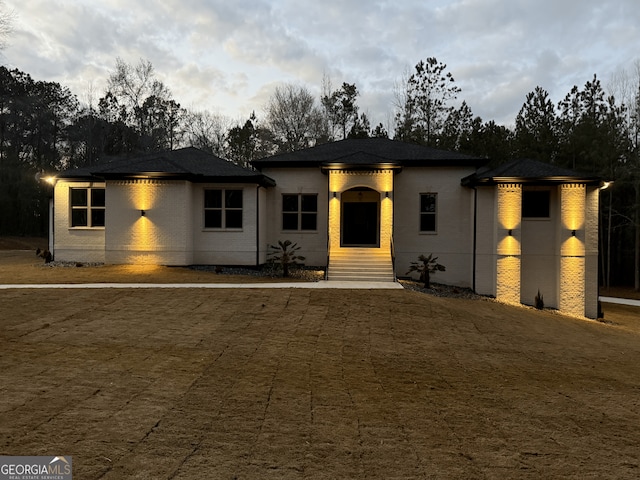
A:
(620, 301)
(321, 284)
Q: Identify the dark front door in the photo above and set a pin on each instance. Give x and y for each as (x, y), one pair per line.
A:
(360, 223)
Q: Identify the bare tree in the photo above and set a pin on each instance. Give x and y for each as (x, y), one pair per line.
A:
(207, 131)
(293, 117)
(138, 99)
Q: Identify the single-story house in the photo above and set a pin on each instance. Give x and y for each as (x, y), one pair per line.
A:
(363, 208)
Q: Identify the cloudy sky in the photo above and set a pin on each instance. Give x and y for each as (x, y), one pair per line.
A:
(227, 55)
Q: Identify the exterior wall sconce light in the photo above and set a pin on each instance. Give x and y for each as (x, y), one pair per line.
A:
(573, 233)
(386, 194)
(143, 213)
(510, 233)
(335, 194)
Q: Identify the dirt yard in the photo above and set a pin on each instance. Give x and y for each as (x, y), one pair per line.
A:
(317, 384)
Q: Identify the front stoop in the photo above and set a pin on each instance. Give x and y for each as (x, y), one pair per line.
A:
(360, 265)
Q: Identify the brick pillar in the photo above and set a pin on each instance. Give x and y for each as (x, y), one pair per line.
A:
(508, 242)
(572, 238)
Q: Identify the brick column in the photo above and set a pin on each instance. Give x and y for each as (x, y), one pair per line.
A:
(508, 242)
(572, 237)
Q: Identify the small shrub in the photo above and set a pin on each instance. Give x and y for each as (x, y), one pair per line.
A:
(425, 266)
(284, 254)
(539, 301)
(44, 254)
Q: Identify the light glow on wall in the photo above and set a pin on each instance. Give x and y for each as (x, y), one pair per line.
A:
(572, 213)
(508, 248)
(378, 180)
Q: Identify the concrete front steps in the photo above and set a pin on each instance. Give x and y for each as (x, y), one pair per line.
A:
(360, 265)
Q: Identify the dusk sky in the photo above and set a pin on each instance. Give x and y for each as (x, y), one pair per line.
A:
(228, 56)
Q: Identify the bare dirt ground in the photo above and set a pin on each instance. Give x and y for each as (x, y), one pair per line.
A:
(289, 383)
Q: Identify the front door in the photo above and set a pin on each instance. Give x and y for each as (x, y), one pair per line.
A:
(360, 224)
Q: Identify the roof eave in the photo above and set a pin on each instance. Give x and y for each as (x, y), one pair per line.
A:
(364, 166)
(490, 181)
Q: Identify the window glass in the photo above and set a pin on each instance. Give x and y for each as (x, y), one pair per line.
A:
(233, 219)
(213, 199)
(536, 203)
(309, 221)
(428, 203)
(97, 217)
(309, 203)
(79, 197)
(79, 217)
(233, 198)
(97, 197)
(290, 203)
(427, 223)
(428, 210)
(290, 221)
(213, 219)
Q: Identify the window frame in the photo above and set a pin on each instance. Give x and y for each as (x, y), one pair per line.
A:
(223, 209)
(90, 207)
(299, 213)
(434, 214)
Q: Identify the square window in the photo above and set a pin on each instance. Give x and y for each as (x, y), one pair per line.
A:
(223, 208)
(299, 211)
(536, 203)
(87, 207)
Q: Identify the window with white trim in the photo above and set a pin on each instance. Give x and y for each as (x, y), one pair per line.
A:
(300, 211)
(428, 212)
(87, 207)
(223, 208)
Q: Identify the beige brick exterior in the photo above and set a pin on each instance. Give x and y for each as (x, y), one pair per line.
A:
(171, 232)
(509, 238)
(514, 257)
(540, 254)
(313, 244)
(452, 242)
(75, 244)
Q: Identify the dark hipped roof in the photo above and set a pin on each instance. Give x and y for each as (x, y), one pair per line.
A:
(530, 172)
(369, 152)
(184, 164)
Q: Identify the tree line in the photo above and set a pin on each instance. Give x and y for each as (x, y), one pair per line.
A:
(44, 128)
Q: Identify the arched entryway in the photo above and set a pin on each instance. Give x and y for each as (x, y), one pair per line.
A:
(360, 225)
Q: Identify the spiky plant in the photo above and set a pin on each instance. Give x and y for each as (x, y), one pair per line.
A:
(284, 254)
(425, 266)
(539, 301)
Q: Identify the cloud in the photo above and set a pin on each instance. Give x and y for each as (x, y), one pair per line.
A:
(228, 55)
